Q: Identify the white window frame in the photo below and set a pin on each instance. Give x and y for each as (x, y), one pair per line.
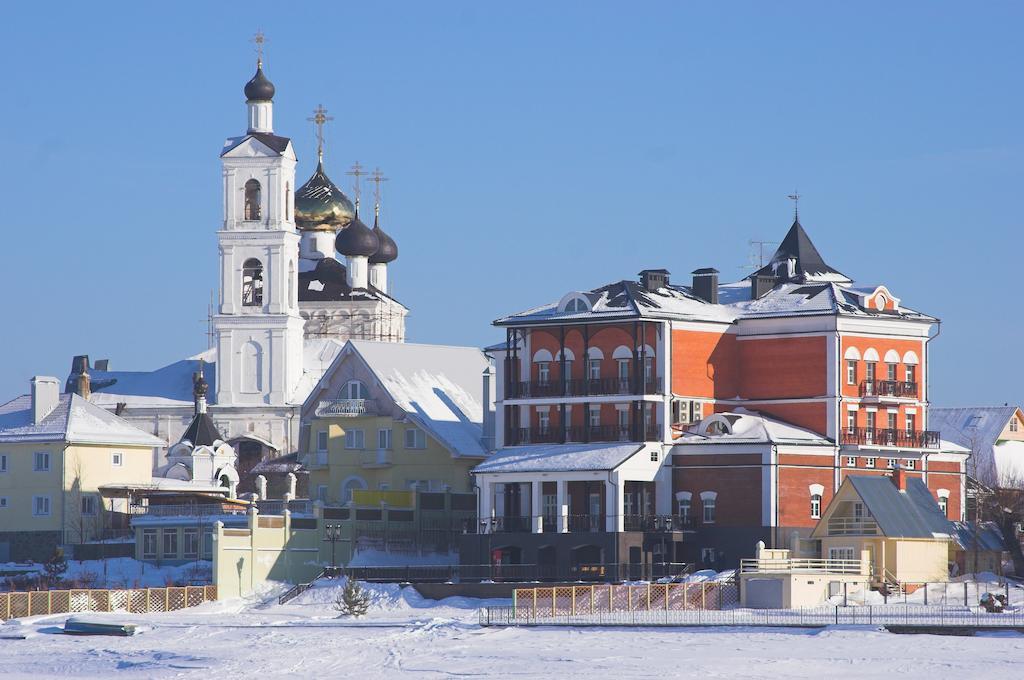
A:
(186, 534)
(41, 506)
(543, 372)
(851, 371)
(415, 439)
(356, 386)
(89, 506)
(544, 420)
(708, 502)
(943, 502)
(910, 422)
(1013, 427)
(594, 416)
(910, 463)
(842, 552)
(355, 438)
(41, 461)
(385, 438)
(816, 506)
(594, 369)
(117, 459)
(869, 462)
(851, 461)
(147, 536)
(164, 552)
(890, 463)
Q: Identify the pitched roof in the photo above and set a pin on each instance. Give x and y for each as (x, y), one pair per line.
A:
(913, 513)
(978, 429)
(558, 458)
(439, 387)
(989, 536)
(808, 263)
(74, 420)
(202, 431)
(273, 142)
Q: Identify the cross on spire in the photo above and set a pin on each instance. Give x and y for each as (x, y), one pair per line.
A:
(377, 177)
(259, 39)
(318, 118)
(795, 197)
(356, 172)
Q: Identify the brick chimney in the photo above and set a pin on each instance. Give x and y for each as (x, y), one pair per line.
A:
(899, 478)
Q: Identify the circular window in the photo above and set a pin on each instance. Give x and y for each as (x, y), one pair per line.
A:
(880, 302)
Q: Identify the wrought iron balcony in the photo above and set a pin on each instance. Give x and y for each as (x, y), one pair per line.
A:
(345, 408)
(582, 387)
(864, 436)
(657, 523)
(894, 389)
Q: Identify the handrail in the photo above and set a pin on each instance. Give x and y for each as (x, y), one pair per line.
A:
(300, 588)
(852, 526)
(804, 565)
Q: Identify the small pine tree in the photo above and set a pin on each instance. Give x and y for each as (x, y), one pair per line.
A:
(55, 566)
(353, 600)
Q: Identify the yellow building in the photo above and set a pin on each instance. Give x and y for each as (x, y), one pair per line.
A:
(56, 450)
(397, 416)
(896, 521)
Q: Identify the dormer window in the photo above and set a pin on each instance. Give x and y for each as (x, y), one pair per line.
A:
(574, 303)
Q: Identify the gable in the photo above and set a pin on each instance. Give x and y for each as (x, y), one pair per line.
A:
(257, 146)
(1013, 430)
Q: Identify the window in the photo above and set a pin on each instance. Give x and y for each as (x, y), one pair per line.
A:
(577, 305)
(851, 461)
(708, 555)
(190, 541)
(890, 372)
(354, 389)
(415, 439)
(944, 505)
(566, 369)
(41, 462)
(851, 421)
(869, 367)
(893, 424)
(384, 438)
(844, 553)
(544, 420)
(816, 506)
(623, 415)
(890, 463)
(4, 502)
(117, 459)
(252, 200)
(623, 368)
(708, 505)
(870, 433)
(41, 506)
(170, 543)
(321, 493)
(321, 441)
(543, 372)
(648, 370)
(869, 462)
(851, 372)
(910, 463)
(594, 416)
(683, 507)
(549, 507)
(654, 455)
(858, 510)
(3, 459)
(149, 544)
(355, 439)
(3, 463)
(910, 373)
(911, 423)
(89, 505)
(594, 369)
(252, 283)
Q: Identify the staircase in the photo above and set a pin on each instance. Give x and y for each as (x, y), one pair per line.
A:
(299, 588)
(890, 586)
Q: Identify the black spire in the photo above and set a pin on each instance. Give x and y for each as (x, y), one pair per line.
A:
(798, 260)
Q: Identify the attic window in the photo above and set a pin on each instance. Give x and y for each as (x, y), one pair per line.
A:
(576, 304)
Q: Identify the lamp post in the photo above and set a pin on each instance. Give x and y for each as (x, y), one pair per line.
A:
(332, 534)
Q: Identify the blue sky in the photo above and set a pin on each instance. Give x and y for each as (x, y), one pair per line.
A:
(533, 148)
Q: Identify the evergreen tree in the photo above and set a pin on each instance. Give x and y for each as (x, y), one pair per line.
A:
(353, 600)
(55, 566)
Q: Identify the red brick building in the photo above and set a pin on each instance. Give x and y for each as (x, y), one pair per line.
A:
(763, 394)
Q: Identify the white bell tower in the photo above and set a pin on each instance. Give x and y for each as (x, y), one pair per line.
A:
(258, 328)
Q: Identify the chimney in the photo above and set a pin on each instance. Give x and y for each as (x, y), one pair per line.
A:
(102, 365)
(761, 284)
(653, 279)
(79, 382)
(45, 396)
(705, 284)
(899, 478)
(488, 402)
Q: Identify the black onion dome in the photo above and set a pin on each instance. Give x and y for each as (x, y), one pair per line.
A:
(321, 206)
(387, 251)
(259, 88)
(356, 239)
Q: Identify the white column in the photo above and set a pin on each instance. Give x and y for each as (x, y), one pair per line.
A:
(356, 270)
(614, 494)
(562, 503)
(379, 276)
(536, 520)
(663, 495)
(486, 499)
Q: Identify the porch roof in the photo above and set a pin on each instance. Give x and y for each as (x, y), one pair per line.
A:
(559, 458)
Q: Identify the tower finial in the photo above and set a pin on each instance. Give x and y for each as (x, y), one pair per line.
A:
(259, 39)
(319, 118)
(795, 197)
(377, 177)
(356, 172)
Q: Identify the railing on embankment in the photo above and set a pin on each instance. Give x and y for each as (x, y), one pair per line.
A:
(539, 603)
(135, 601)
(905, 616)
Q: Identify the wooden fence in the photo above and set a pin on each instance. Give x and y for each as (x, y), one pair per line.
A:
(605, 599)
(136, 601)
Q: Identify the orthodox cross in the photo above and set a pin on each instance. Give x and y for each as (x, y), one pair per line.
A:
(319, 118)
(795, 197)
(377, 177)
(356, 172)
(259, 39)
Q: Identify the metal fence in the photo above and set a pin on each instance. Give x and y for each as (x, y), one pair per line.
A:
(540, 603)
(138, 600)
(525, 573)
(881, 615)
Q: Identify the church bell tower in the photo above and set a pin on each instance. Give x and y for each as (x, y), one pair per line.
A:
(258, 329)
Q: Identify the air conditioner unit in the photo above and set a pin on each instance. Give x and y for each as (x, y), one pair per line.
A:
(687, 411)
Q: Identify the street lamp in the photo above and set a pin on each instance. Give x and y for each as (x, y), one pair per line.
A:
(332, 534)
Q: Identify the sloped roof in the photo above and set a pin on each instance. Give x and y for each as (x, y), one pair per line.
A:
(275, 143)
(978, 429)
(558, 458)
(751, 427)
(202, 431)
(989, 536)
(808, 263)
(73, 420)
(913, 513)
(439, 387)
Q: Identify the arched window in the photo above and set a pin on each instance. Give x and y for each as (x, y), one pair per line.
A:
(252, 200)
(252, 367)
(354, 389)
(252, 283)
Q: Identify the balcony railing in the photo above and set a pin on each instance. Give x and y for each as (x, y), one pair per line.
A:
(582, 387)
(593, 433)
(376, 459)
(345, 408)
(864, 436)
(299, 506)
(896, 389)
(584, 523)
(805, 566)
(185, 510)
(852, 526)
(657, 523)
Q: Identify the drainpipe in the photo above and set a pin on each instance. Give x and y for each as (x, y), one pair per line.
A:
(775, 500)
(615, 543)
(927, 374)
(838, 420)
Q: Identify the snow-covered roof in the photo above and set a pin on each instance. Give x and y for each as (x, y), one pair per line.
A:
(558, 458)
(439, 387)
(746, 427)
(988, 534)
(74, 420)
(977, 429)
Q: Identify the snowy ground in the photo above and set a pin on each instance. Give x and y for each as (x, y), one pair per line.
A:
(405, 634)
(122, 572)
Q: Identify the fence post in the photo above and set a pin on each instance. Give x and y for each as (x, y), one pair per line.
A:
(926, 593)
(591, 599)
(49, 601)
(686, 595)
(572, 604)
(667, 586)
(167, 599)
(703, 595)
(534, 610)
(648, 596)
(965, 593)
(846, 602)
(610, 602)
(554, 598)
